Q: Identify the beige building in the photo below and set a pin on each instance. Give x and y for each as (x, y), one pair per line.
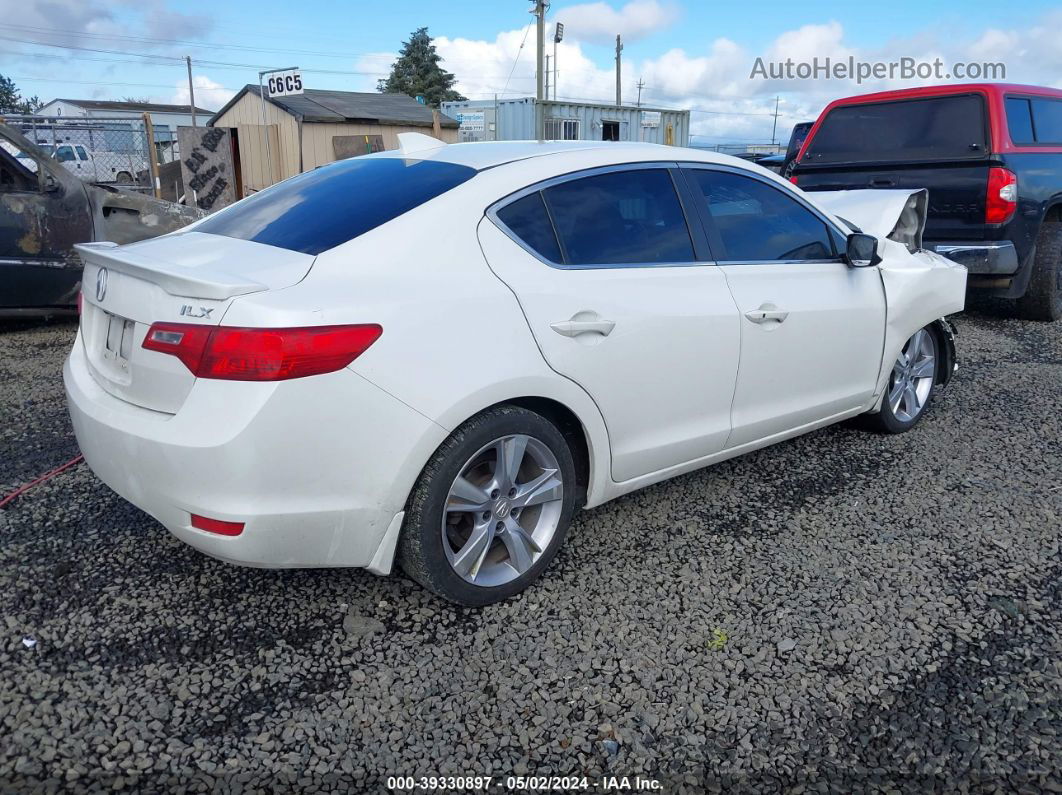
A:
(284, 136)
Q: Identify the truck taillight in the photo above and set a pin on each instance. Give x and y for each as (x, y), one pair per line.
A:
(795, 180)
(261, 354)
(1002, 199)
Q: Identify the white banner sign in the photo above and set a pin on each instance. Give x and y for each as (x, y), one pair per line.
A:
(284, 84)
(471, 120)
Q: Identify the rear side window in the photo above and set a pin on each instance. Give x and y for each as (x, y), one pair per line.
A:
(528, 220)
(917, 129)
(1047, 120)
(621, 217)
(1019, 120)
(321, 209)
(759, 223)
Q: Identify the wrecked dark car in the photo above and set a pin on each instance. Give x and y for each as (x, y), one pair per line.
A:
(45, 210)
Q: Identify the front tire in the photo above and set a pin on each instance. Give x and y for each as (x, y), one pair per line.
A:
(912, 384)
(1043, 297)
(490, 509)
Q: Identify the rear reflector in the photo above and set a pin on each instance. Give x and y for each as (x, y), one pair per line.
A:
(217, 526)
(1002, 198)
(261, 354)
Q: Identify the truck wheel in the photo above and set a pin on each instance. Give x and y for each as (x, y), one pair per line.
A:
(1043, 298)
(124, 178)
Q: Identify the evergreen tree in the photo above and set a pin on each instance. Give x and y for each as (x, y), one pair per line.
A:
(418, 72)
(11, 100)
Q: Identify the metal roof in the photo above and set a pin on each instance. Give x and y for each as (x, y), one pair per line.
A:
(150, 107)
(316, 105)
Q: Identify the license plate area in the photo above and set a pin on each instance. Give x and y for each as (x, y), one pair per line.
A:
(117, 339)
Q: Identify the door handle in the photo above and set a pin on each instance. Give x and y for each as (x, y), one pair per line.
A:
(573, 328)
(882, 183)
(766, 314)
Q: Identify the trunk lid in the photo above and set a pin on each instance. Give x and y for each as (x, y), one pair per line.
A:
(185, 278)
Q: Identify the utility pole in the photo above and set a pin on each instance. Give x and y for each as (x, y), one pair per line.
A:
(191, 88)
(641, 85)
(774, 129)
(540, 119)
(619, 49)
(547, 77)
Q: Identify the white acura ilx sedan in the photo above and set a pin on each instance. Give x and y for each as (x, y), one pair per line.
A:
(437, 354)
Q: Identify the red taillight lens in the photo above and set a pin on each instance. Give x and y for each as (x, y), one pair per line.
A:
(1002, 198)
(261, 354)
(80, 298)
(794, 179)
(216, 526)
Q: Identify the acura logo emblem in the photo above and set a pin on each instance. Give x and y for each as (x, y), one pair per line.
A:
(101, 284)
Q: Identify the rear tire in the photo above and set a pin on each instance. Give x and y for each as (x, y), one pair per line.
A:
(124, 178)
(1043, 297)
(490, 509)
(912, 384)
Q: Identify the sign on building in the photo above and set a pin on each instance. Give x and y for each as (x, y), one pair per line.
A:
(284, 84)
(471, 120)
(206, 166)
(650, 118)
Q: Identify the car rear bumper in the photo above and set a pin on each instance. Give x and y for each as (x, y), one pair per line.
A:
(318, 469)
(989, 257)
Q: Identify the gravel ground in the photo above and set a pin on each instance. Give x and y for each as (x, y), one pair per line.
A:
(845, 612)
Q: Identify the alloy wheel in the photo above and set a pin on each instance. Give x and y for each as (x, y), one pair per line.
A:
(912, 376)
(502, 510)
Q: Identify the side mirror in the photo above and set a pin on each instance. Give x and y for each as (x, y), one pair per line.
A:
(862, 250)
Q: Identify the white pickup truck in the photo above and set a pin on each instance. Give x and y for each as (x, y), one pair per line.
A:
(93, 166)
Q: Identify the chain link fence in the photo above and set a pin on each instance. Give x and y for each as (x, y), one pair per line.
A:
(112, 151)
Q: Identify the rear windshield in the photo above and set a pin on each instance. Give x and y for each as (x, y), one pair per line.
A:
(320, 209)
(916, 129)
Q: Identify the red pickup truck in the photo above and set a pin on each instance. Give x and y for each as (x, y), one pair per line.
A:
(990, 155)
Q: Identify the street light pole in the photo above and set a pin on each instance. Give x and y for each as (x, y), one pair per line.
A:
(540, 120)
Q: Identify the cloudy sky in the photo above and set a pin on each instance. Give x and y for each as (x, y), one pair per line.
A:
(688, 54)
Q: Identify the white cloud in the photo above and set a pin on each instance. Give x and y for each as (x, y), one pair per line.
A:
(714, 81)
(600, 22)
(208, 93)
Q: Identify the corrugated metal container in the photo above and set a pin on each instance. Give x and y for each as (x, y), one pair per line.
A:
(514, 120)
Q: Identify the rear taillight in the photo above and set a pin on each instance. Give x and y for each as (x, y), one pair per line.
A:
(1002, 198)
(80, 298)
(261, 354)
(794, 179)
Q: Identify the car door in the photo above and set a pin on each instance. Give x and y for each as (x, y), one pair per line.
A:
(621, 300)
(43, 213)
(812, 328)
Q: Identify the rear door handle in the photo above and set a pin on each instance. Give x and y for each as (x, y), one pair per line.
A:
(573, 328)
(767, 314)
(882, 183)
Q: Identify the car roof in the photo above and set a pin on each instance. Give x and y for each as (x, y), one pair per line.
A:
(945, 90)
(482, 155)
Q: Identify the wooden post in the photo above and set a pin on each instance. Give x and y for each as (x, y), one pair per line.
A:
(149, 131)
(436, 124)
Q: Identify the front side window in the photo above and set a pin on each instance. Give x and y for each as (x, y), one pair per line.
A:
(620, 217)
(64, 154)
(323, 208)
(757, 222)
